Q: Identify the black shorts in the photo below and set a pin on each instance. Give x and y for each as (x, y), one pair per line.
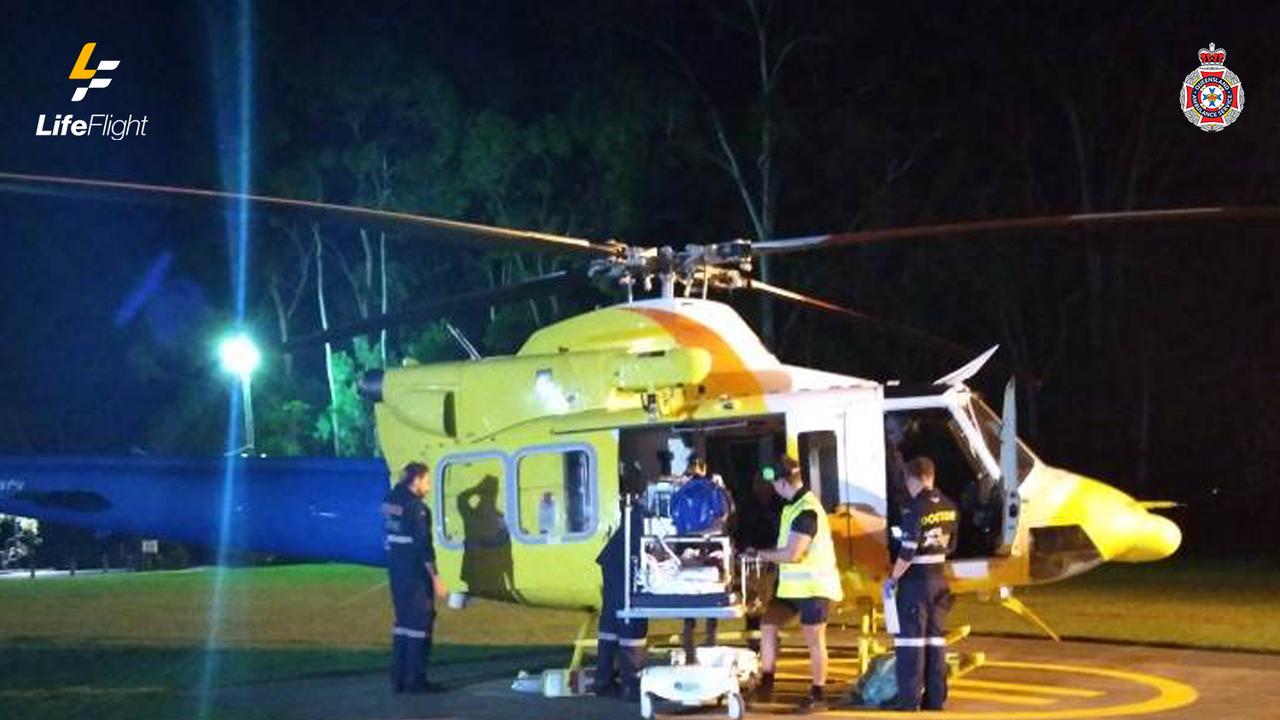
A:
(812, 610)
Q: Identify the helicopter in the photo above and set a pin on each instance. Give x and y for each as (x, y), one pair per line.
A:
(529, 451)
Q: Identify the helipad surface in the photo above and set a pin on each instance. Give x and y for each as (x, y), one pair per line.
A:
(1022, 680)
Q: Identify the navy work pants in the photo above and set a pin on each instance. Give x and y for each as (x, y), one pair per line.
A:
(411, 637)
(619, 643)
(920, 647)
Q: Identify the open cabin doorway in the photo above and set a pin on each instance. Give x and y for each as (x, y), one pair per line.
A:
(961, 474)
(735, 449)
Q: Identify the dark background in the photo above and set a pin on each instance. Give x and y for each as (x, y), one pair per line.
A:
(1148, 353)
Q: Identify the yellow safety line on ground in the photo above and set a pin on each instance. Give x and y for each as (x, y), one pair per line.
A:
(1170, 694)
(999, 697)
(1025, 687)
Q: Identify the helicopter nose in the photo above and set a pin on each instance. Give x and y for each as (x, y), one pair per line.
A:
(1119, 526)
(1152, 537)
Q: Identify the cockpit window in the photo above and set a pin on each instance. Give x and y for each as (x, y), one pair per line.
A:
(990, 424)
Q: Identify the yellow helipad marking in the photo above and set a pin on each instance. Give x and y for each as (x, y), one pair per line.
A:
(1026, 687)
(1170, 694)
(1000, 698)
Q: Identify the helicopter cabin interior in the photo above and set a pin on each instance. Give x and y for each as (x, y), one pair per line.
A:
(736, 450)
(961, 435)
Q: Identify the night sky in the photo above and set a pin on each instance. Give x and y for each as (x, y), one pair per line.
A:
(1153, 350)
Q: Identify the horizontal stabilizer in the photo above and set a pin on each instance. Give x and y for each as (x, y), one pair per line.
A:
(1159, 504)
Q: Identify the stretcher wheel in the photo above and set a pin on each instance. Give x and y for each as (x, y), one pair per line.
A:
(646, 706)
(734, 706)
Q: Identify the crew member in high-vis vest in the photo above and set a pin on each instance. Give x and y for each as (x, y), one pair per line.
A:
(919, 577)
(808, 581)
(411, 559)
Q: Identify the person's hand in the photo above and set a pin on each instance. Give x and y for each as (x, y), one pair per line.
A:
(890, 586)
(442, 590)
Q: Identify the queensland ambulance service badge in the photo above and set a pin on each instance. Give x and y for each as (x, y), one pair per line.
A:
(1212, 96)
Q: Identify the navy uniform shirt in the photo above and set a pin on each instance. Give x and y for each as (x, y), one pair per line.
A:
(407, 522)
(928, 533)
(610, 557)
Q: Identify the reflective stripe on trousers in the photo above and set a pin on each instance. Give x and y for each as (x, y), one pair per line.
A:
(920, 642)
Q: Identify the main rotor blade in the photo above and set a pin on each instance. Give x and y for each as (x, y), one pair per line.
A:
(435, 228)
(551, 284)
(969, 227)
(888, 326)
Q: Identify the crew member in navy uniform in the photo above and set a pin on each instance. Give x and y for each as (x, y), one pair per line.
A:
(411, 558)
(618, 641)
(919, 573)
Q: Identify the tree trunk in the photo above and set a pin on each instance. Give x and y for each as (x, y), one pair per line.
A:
(382, 264)
(328, 348)
(282, 322)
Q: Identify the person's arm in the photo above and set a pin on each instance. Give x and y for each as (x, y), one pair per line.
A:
(907, 550)
(437, 585)
(429, 554)
(797, 545)
(800, 536)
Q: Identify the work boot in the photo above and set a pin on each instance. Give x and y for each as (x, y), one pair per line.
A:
(426, 687)
(607, 690)
(814, 702)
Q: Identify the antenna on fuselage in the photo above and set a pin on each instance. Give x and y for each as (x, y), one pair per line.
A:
(462, 341)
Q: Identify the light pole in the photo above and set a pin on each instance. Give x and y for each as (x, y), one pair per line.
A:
(240, 357)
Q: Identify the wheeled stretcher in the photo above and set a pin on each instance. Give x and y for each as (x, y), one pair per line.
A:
(673, 576)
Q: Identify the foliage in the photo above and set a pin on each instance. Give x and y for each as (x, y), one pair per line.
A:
(284, 428)
(510, 327)
(432, 344)
(355, 421)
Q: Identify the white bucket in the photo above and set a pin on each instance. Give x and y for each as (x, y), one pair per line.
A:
(555, 683)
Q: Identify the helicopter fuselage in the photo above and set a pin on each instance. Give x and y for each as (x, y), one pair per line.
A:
(530, 453)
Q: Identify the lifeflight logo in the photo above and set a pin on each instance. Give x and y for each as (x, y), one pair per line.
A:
(81, 71)
(97, 124)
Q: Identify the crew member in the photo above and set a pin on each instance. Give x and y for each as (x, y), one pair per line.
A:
(808, 581)
(928, 536)
(620, 643)
(414, 583)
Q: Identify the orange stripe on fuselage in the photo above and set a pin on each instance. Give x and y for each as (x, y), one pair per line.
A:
(729, 374)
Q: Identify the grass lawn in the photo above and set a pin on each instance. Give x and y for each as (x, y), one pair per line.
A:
(132, 645)
(1212, 604)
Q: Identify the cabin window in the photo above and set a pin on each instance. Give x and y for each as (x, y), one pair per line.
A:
(555, 494)
(819, 466)
(471, 490)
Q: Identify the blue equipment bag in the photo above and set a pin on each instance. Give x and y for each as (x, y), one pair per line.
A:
(878, 686)
(697, 506)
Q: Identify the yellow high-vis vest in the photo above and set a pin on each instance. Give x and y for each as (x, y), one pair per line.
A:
(816, 574)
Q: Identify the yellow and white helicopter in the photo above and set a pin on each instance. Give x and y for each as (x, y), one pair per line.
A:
(530, 451)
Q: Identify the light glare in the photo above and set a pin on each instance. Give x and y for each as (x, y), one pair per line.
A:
(239, 355)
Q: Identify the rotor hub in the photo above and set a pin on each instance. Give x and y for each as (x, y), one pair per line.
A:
(696, 268)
